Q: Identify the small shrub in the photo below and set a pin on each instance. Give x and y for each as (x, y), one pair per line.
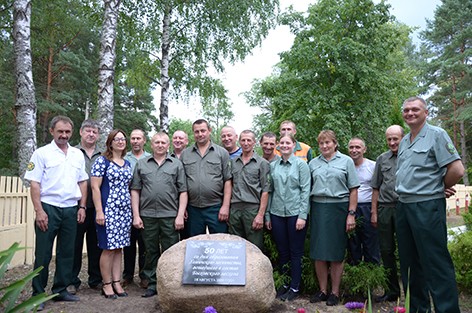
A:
(358, 279)
(8, 302)
(468, 220)
(461, 253)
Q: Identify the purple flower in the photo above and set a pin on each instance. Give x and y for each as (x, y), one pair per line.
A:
(354, 305)
(209, 309)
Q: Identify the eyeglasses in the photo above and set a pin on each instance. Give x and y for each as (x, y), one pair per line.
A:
(119, 139)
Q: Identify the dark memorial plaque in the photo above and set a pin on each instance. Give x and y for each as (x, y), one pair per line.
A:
(209, 262)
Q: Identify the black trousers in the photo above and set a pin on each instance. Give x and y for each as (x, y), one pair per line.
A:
(88, 230)
(129, 254)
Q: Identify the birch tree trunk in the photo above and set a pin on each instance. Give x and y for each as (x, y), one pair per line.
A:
(106, 71)
(165, 79)
(25, 105)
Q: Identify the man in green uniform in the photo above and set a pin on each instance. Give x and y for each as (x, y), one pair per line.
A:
(158, 199)
(207, 168)
(384, 200)
(89, 133)
(250, 192)
(428, 168)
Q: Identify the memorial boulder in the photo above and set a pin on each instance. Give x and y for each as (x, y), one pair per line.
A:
(256, 295)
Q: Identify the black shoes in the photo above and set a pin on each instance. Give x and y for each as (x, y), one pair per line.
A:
(108, 296)
(332, 300)
(149, 293)
(289, 295)
(65, 296)
(320, 296)
(40, 307)
(386, 297)
(119, 294)
(281, 291)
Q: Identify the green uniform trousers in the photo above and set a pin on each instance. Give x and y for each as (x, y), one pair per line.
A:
(62, 223)
(240, 224)
(425, 263)
(158, 233)
(388, 244)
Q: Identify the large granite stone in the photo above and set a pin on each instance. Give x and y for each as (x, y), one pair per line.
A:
(256, 296)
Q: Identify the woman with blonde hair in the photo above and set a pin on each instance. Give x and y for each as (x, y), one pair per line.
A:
(110, 178)
(333, 206)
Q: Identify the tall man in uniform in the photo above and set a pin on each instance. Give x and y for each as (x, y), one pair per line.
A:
(250, 192)
(268, 143)
(364, 245)
(384, 200)
(179, 143)
(207, 168)
(137, 140)
(159, 200)
(301, 150)
(89, 133)
(428, 168)
(58, 182)
(229, 138)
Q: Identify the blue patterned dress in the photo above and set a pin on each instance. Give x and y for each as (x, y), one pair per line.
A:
(116, 203)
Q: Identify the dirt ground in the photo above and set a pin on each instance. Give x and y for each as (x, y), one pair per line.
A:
(91, 301)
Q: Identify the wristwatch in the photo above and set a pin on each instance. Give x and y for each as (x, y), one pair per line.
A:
(82, 207)
(352, 212)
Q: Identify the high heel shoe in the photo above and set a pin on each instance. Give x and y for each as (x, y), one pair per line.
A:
(112, 296)
(119, 294)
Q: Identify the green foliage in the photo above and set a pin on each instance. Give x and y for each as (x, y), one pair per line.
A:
(361, 278)
(461, 254)
(447, 47)
(346, 71)
(468, 220)
(10, 293)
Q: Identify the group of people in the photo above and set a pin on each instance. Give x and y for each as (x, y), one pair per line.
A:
(166, 196)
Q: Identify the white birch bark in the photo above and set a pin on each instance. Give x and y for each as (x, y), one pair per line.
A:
(25, 105)
(165, 79)
(106, 71)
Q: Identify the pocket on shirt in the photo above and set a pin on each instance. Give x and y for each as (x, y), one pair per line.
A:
(419, 157)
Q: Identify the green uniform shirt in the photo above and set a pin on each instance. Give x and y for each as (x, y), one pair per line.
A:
(132, 159)
(422, 164)
(383, 178)
(206, 174)
(160, 186)
(250, 180)
(88, 166)
(332, 180)
(290, 188)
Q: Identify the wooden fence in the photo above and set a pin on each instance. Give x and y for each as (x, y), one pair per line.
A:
(16, 219)
(17, 216)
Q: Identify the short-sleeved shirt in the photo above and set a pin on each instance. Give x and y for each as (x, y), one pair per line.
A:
(422, 164)
(290, 188)
(58, 174)
(250, 180)
(206, 174)
(132, 159)
(88, 165)
(332, 179)
(384, 177)
(160, 186)
(364, 173)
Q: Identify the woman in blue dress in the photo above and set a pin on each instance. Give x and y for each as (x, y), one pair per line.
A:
(110, 178)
